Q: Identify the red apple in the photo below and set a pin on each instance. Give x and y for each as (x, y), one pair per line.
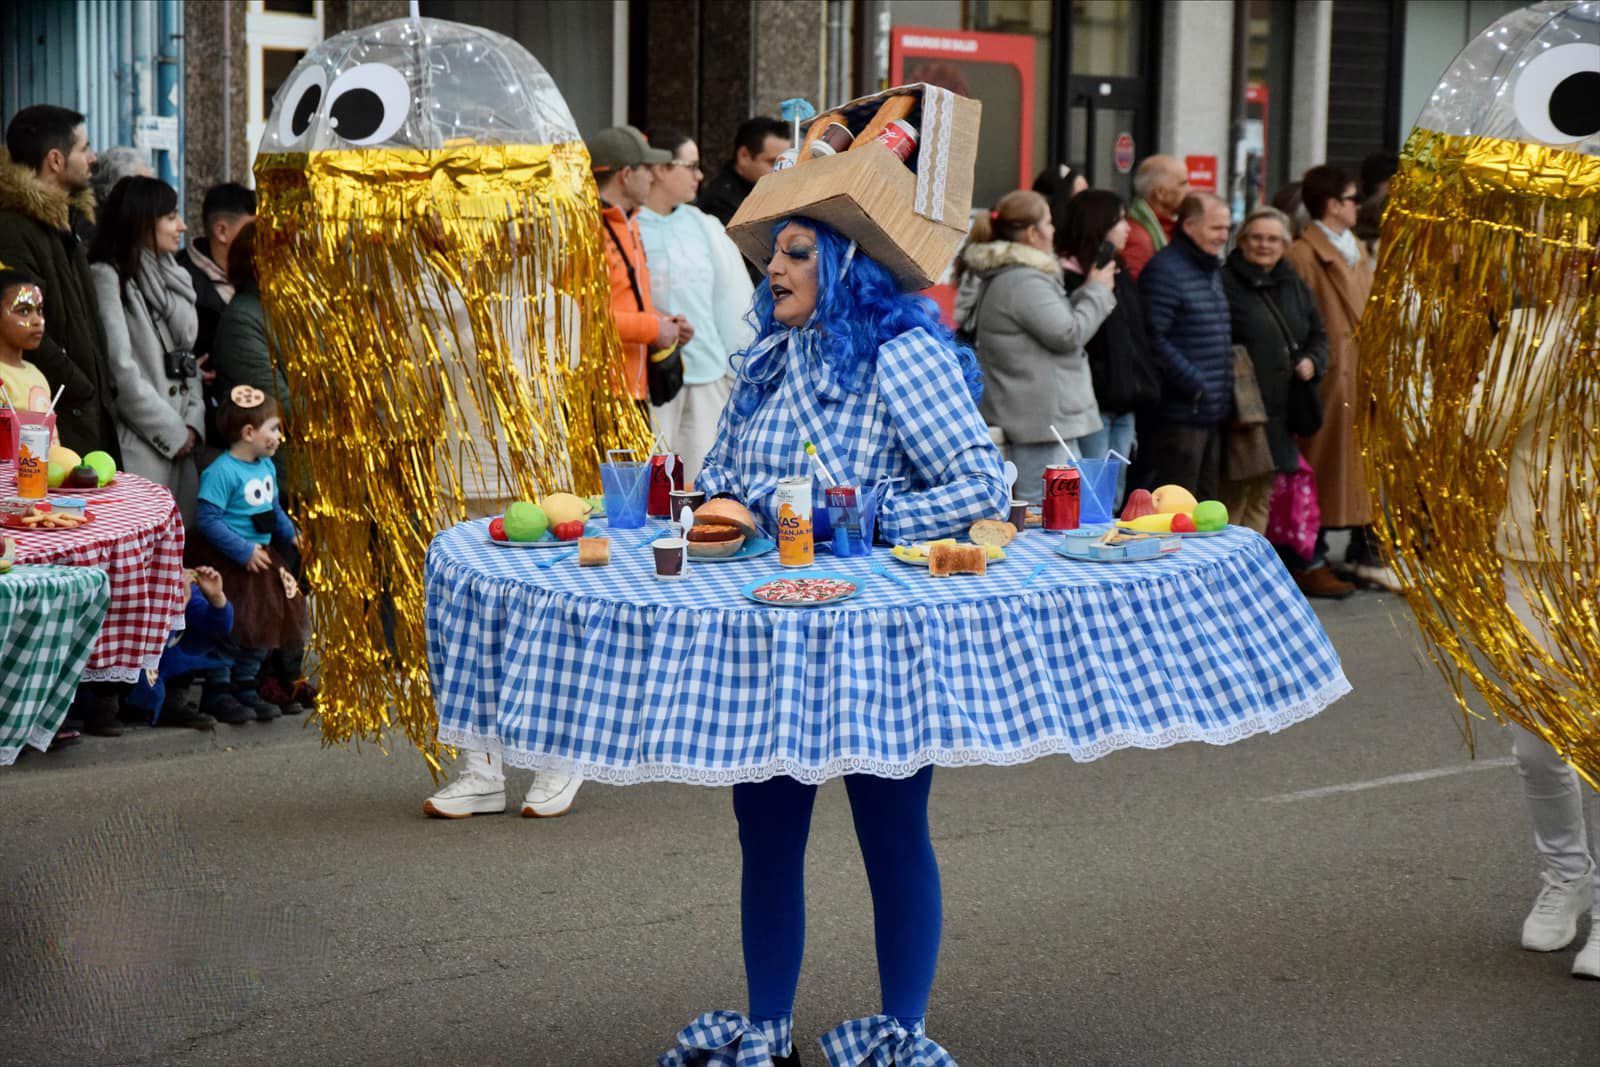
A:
(1140, 503)
(1182, 523)
(497, 528)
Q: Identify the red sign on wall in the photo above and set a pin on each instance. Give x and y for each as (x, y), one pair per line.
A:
(1122, 153)
(1202, 173)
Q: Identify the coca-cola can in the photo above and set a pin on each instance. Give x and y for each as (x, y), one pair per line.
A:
(659, 506)
(899, 137)
(1060, 497)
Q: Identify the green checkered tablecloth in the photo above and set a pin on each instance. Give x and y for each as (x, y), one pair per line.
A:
(49, 618)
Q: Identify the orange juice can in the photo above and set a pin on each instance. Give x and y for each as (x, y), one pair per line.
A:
(33, 462)
(792, 500)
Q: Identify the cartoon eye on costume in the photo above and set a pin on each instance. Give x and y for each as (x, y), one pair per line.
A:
(258, 491)
(1557, 98)
(368, 104)
(301, 101)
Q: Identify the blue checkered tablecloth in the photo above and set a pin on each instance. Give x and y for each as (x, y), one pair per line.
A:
(626, 678)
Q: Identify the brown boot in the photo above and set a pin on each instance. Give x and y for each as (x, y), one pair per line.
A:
(1322, 582)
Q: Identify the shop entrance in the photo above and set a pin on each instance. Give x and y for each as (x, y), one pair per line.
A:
(1106, 55)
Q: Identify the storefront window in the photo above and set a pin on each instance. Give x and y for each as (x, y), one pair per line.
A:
(1266, 141)
(1107, 37)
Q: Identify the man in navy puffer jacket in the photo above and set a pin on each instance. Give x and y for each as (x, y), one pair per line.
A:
(1189, 322)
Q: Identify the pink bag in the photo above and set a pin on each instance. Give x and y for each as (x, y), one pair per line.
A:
(1293, 516)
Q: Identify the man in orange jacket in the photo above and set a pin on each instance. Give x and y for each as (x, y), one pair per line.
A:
(621, 158)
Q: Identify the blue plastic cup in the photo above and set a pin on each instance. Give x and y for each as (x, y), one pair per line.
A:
(1097, 490)
(626, 487)
(852, 513)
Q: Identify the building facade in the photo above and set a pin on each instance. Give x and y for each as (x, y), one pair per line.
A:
(1248, 92)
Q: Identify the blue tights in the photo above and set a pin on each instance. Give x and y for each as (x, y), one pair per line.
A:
(891, 818)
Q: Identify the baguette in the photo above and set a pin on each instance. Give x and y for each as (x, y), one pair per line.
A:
(945, 560)
(896, 107)
(992, 532)
(819, 124)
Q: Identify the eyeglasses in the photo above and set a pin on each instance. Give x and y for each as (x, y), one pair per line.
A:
(1353, 198)
(686, 164)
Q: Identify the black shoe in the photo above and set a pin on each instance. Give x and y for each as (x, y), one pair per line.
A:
(103, 726)
(72, 723)
(292, 708)
(265, 710)
(224, 707)
(183, 715)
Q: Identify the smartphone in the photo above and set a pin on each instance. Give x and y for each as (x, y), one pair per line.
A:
(1106, 253)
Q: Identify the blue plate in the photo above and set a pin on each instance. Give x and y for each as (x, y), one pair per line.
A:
(749, 589)
(549, 540)
(752, 548)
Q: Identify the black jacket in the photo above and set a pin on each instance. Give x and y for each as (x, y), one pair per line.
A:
(1188, 316)
(37, 234)
(1249, 290)
(1122, 360)
(721, 197)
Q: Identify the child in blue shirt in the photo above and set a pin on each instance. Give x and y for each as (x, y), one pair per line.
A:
(239, 518)
(190, 651)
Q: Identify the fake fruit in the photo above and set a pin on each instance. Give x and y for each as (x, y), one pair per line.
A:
(568, 531)
(525, 521)
(82, 476)
(564, 507)
(1140, 503)
(497, 528)
(56, 473)
(103, 465)
(1182, 523)
(1171, 499)
(1210, 515)
(1159, 522)
(65, 456)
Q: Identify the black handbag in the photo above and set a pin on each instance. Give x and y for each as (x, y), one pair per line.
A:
(663, 366)
(1303, 408)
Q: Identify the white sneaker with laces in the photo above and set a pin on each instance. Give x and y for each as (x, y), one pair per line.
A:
(550, 795)
(468, 795)
(1587, 965)
(1553, 922)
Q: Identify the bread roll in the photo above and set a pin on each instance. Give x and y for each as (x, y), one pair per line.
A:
(819, 124)
(724, 511)
(594, 551)
(957, 559)
(992, 532)
(896, 107)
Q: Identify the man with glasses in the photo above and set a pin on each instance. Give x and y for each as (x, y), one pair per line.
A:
(1335, 266)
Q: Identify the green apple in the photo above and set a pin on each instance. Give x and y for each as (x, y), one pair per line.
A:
(57, 473)
(104, 466)
(525, 521)
(1210, 515)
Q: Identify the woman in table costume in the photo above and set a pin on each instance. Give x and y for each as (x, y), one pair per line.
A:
(847, 360)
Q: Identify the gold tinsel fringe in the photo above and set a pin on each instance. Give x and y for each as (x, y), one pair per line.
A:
(1488, 252)
(432, 312)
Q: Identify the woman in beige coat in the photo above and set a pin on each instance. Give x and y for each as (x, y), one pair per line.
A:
(1335, 266)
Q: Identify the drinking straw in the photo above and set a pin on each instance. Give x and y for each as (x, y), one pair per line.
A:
(822, 468)
(1062, 441)
(1119, 455)
(6, 397)
(51, 409)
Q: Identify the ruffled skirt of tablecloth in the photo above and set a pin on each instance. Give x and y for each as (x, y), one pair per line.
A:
(623, 693)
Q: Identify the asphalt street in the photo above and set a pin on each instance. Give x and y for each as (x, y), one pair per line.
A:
(1346, 892)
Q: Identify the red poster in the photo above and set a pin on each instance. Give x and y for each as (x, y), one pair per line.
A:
(1202, 173)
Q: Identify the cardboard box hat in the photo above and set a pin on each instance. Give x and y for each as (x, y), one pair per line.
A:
(911, 217)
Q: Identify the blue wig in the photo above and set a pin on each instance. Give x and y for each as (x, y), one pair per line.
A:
(858, 310)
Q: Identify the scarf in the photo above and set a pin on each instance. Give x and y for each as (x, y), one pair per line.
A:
(201, 258)
(168, 294)
(1142, 214)
(1344, 243)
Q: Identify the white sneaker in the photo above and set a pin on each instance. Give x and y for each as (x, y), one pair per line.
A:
(1587, 965)
(469, 795)
(550, 795)
(1383, 577)
(1553, 922)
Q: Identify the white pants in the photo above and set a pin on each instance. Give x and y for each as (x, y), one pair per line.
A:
(688, 422)
(1555, 795)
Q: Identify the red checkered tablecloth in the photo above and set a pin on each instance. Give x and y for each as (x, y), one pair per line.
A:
(137, 539)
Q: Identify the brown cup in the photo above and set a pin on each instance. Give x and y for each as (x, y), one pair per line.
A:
(669, 556)
(837, 136)
(693, 499)
(1019, 514)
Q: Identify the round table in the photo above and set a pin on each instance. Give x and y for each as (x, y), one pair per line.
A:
(136, 538)
(621, 677)
(49, 617)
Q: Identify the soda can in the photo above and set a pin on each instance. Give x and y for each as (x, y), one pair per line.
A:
(1060, 497)
(33, 461)
(659, 505)
(792, 501)
(899, 137)
(786, 160)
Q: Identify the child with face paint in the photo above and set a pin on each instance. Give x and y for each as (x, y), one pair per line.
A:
(21, 330)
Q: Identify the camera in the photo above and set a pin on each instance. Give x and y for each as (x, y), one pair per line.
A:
(181, 364)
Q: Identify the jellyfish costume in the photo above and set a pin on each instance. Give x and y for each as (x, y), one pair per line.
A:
(435, 288)
(1479, 355)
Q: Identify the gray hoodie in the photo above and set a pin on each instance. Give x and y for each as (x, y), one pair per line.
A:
(1030, 338)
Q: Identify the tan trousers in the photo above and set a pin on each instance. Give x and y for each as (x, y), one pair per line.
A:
(1248, 501)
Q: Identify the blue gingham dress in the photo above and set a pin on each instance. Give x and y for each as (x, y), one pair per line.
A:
(609, 673)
